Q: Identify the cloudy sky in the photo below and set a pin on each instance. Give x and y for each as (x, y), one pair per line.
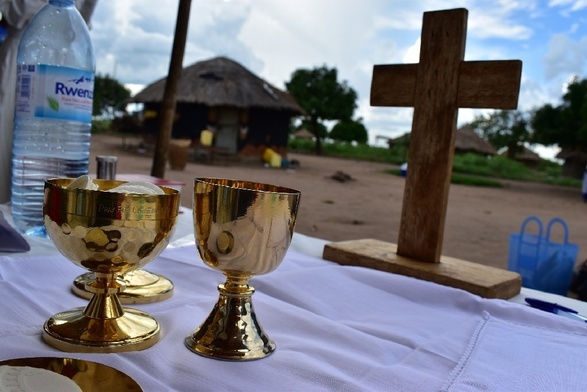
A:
(273, 38)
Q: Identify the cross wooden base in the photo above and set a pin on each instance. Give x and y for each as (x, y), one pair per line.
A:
(488, 282)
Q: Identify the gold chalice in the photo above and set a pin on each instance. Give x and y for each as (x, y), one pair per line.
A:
(109, 234)
(242, 229)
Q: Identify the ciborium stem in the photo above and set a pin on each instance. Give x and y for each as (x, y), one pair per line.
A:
(104, 303)
(103, 326)
(231, 331)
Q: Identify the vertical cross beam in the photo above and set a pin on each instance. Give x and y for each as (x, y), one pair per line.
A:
(436, 87)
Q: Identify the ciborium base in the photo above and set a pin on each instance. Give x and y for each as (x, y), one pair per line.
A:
(231, 331)
(73, 331)
(140, 287)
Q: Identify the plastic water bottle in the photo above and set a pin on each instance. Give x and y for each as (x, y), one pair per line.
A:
(52, 123)
(584, 186)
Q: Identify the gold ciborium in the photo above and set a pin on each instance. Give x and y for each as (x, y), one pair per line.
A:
(242, 229)
(108, 234)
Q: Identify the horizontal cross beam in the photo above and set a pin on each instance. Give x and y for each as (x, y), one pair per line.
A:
(395, 85)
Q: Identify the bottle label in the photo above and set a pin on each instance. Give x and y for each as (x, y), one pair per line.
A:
(48, 91)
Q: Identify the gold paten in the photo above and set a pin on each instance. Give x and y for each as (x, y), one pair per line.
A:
(89, 376)
(109, 234)
(242, 229)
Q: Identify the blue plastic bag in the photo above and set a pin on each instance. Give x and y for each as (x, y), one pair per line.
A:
(543, 264)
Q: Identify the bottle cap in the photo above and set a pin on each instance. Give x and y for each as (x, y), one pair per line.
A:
(106, 167)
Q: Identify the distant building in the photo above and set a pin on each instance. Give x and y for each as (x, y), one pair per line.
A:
(574, 162)
(527, 157)
(466, 140)
(245, 113)
(303, 133)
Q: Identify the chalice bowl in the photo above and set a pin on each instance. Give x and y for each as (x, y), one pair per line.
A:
(242, 229)
(108, 233)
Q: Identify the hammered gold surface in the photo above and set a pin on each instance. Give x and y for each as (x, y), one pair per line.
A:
(242, 228)
(108, 234)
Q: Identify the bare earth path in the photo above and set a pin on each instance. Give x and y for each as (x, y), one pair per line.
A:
(478, 224)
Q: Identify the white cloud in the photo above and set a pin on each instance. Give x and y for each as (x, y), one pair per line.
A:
(309, 33)
(565, 56)
(274, 38)
(489, 25)
(412, 55)
(573, 5)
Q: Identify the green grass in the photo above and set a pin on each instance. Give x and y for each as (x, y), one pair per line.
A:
(463, 179)
(468, 169)
(474, 181)
(346, 150)
(100, 126)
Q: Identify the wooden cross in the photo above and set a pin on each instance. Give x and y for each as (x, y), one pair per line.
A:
(436, 87)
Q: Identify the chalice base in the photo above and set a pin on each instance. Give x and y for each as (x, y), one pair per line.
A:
(73, 331)
(231, 332)
(141, 287)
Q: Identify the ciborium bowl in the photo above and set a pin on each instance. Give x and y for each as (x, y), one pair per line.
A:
(109, 234)
(242, 229)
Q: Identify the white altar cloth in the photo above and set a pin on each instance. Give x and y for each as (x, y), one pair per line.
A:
(336, 328)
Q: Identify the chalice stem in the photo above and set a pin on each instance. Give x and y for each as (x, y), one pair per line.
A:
(231, 331)
(236, 286)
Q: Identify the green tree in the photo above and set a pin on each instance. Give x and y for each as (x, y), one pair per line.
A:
(322, 97)
(504, 128)
(565, 125)
(349, 131)
(109, 96)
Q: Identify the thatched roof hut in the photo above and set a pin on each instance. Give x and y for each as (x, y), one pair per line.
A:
(400, 140)
(574, 162)
(468, 141)
(526, 156)
(246, 113)
(568, 153)
(222, 82)
(303, 133)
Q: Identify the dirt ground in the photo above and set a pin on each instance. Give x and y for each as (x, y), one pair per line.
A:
(478, 224)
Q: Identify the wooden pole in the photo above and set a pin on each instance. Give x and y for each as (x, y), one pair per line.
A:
(167, 111)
